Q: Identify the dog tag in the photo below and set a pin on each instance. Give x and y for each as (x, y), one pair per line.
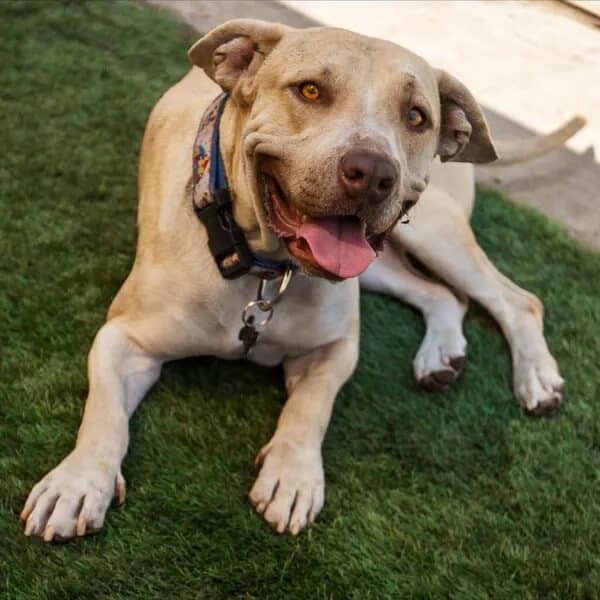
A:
(257, 313)
(248, 336)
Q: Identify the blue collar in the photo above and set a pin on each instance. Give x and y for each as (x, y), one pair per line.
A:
(212, 204)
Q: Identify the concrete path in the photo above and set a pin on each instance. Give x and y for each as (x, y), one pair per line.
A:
(531, 64)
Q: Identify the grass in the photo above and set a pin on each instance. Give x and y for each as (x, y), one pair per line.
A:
(428, 495)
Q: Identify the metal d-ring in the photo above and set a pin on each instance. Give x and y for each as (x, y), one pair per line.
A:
(265, 305)
(262, 305)
(262, 287)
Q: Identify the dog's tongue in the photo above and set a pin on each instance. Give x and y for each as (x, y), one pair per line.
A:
(338, 245)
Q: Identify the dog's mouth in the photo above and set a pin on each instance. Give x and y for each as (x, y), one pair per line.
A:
(336, 247)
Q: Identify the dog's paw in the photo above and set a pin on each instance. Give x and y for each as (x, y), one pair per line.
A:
(290, 489)
(72, 499)
(440, 359)
(538, 385)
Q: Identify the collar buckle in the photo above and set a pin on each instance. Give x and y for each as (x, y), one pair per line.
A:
(226, 240)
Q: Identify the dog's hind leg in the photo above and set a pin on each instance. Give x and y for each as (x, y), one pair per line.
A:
(440, 236)
(441, 356)
(72, 499)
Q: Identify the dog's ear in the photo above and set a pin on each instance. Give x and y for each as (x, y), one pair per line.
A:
(235, 50)
(464, 133)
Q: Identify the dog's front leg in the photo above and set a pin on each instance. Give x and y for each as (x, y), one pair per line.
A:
(290, 489)
(72, 499)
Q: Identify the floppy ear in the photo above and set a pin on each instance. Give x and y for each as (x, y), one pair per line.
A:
(235, 50)
(464, 133)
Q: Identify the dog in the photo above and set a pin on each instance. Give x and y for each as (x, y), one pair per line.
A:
(328, 140)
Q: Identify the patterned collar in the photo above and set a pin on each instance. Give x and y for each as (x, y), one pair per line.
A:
(212, 204)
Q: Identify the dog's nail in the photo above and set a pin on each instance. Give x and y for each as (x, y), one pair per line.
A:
(458, 363)
(121, 489)
(280, 527)
(24, 514)
(29, 528)
(81, 526)
(260, 507)
(294, 529)
(49, 533)
(260, 457)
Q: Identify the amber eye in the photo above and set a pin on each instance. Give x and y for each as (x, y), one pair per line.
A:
(415, 117)
(310, 91)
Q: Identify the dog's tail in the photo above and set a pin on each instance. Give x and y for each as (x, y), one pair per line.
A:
(514, 151)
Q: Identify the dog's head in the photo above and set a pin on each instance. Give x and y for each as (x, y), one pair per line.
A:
(337, 134)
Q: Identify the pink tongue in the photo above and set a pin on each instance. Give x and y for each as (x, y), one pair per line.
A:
(338, 244)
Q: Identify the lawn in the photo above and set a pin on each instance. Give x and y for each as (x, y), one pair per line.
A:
(428, 496)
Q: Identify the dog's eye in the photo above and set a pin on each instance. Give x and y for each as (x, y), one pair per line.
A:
(415, 117)
(310, 91)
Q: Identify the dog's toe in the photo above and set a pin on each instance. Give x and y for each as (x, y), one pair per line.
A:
(279, 510)
(440, 380)
(548, 407)
(538, 386)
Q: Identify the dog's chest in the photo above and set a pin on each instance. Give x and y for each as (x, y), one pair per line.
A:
(310, 314)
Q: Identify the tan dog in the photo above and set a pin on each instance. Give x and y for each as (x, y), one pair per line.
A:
(325, 130)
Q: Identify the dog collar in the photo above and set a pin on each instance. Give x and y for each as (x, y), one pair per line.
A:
(212, 204)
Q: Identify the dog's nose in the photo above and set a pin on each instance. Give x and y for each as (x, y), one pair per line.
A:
(369, 175)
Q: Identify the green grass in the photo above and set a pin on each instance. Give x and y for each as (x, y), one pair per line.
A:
(429, 496)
